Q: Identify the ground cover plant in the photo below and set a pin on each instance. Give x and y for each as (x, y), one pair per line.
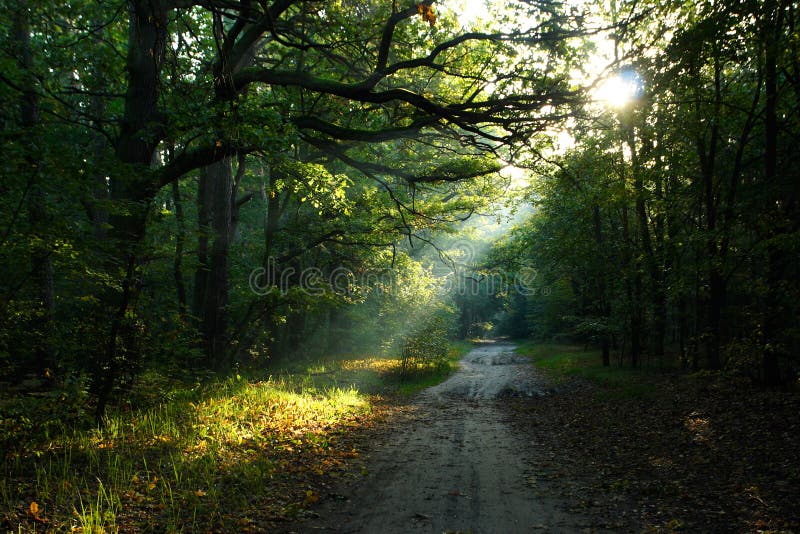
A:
(236, 455)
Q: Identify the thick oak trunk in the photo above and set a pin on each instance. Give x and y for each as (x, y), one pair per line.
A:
(216, 297)
(134, 185)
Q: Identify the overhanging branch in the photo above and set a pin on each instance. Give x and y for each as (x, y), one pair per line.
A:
(369, 136)
(190, 160)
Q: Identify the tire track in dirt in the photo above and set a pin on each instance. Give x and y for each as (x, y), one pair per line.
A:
(455, 465)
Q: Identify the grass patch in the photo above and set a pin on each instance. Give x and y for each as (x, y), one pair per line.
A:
(377, 375)
(562, 362)
(423, 376)
(200, 461)
(232, 455)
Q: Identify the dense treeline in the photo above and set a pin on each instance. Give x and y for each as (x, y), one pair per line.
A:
(202, 185)
(671, 227)
(233, 233)
(199, 185)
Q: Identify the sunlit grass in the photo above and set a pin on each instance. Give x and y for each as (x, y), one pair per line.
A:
(382, 374)
(180, 463)
(228, 456)
(419, 377)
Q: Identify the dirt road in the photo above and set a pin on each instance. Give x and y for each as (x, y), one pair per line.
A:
(455, 466)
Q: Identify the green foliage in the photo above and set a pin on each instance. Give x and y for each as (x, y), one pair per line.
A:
(662, 233)
(414, 379)
(428, 344)
(333, 178)
(189, 454)
(566, 362)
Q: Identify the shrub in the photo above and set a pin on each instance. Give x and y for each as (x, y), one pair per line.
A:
(427, 346)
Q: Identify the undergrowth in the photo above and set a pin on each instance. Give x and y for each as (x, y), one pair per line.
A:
(562, 362)
(232, 455)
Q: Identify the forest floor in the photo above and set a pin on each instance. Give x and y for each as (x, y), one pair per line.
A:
(454, 463)
(229, 454)
(567, 446)
(673, 451)
(544, 439)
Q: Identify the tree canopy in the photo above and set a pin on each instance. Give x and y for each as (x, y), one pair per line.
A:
(351, 127)
(669, 225)
(158, 154)
(193, 191)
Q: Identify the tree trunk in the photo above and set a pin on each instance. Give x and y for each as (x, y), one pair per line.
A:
(775, 258)
(602, 298)
(219, 207)
(41, 259)
(653, 270)
(707, 154)
(220, 177)
(205, 193)
(632, 283)
(660, 266)
(177, 264)
(272, 216)
(218, 213)
(633, 286)
(132, 183)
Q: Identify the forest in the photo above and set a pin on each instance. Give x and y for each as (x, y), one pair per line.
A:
(238, 237)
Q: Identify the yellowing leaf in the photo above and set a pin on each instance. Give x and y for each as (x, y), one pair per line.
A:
(426, 11)
(200, 493)
(34, 508)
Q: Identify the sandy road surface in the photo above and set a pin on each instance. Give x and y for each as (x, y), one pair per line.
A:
(455, 466)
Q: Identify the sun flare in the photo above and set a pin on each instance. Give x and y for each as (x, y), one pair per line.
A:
(468, 12)
(618, 90)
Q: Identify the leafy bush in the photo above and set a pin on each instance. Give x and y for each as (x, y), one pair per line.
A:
(428, 345)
